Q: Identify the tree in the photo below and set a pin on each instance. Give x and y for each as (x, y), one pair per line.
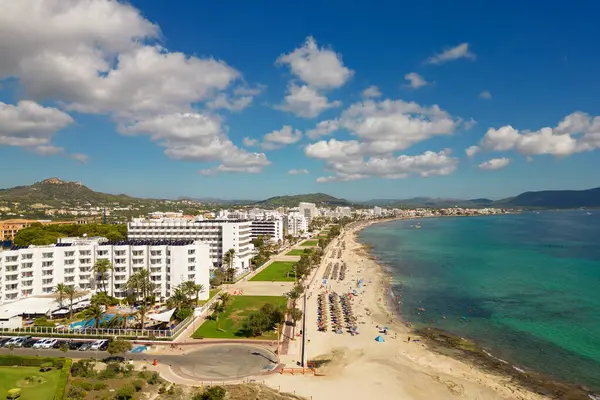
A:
(228, 260)
(118, 346)
(295, 314)
(101, 269)
(60, 294)
(217, 308)
(263, 320)
(295, 294)
(192, 289)
(141, 287)
(94, 312)
(71, 294)
(212, 393)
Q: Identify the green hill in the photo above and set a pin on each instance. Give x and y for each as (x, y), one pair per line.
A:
(55, 192)
(320, 199)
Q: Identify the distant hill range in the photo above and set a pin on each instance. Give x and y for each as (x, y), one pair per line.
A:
(554, 199)
(320, 199)
(56, 192)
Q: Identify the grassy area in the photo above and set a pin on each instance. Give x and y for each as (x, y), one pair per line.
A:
(211, 294)
(295, 252)
(280, 271)
(42, 387)
(309, 243)
(232, 320)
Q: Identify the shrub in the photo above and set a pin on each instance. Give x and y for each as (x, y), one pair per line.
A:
(30, 361)
(125, 393)
(153, 378)
(128, 370)
(76, 392)
(64, 378)
(162, 389)
(212, 393)
(138, 384)
(100, 386)
(13, 393)
(47, 366)
(85, 385)
(83, 369)
(110, 372)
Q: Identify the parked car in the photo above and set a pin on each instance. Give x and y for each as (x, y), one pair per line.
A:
(21, 341)
(85, 346)
(59, 343)
(98, 344)
(73, 345)
(39, 343)
(29, 342)
(49, 343)
(12, 341)
(4, 340)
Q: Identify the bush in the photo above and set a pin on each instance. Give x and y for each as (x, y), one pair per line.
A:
(212, 393)
(76, 392)
(42, 321)
(153, 378)
(125, 393)
(110, 372)
(85, 385)
(138, 384)
(128, 370)
(162, 389)
(64, 378)
(83, 369)
(28, 361)
(47, 366)
(100, 386)
(14, 393)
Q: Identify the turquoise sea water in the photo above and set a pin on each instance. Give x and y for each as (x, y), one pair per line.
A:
(525, 286)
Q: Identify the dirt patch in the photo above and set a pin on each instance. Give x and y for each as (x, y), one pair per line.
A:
(335, 362)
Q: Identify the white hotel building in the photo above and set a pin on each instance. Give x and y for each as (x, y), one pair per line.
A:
(36, 270)
(220, 235)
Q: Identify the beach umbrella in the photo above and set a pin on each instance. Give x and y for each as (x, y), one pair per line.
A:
(379, 339)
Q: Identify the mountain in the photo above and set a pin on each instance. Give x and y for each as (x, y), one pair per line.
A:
(429, 202)
(55, 192)
(553, 199)
(217, 201)
(320, 199)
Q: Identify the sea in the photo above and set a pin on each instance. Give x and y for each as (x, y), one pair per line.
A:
(526, 287)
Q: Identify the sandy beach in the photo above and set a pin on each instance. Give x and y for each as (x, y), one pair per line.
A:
(362, 367)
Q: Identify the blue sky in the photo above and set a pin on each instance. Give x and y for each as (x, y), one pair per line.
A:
(222, 99)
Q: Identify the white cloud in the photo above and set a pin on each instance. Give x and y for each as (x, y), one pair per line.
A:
(297, 171)
(577, 132)
(323, 128)
(415, 80)
(305, 102)
(485, 95)
(319, 67)
(494, 163)
(471, 151)
(371, 92)
(250, 142)
(469, 124)
(82, 158)
(381, 129)
(284, 136)
(451, 54)
(28, 124)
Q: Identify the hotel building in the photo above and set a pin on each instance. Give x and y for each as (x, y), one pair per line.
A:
(220, 235)
(36, 270)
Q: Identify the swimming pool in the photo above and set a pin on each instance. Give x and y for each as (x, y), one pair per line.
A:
(91, 322)
(139, 349)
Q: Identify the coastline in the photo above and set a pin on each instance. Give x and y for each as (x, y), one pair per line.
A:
(359, 366)
(468, 351)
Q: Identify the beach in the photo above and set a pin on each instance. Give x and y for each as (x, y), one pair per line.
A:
(358, 366)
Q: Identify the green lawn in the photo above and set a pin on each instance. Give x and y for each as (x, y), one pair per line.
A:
(295, 252)
(309, 243)
(14, 377)
(211, 294)
(232, 320)
(280, 271)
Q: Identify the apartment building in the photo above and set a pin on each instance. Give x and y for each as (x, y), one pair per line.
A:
(308, 210)
(295, 224)
(36, 270)
(270, 226)
(220, 234)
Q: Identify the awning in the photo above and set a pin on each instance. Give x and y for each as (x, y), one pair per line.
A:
(62, 311)
(162, 317)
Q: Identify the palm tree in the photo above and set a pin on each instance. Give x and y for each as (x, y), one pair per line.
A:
(140, 285)
(101, 269)
(95, 312)
(225, 298)
(60, 294)
(294, 295)
(296, 314)
(179, 299)
(192, 288)
(217, 307)
(228, 259)
(71, 294)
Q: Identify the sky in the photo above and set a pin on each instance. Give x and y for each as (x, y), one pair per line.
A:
(247, 100)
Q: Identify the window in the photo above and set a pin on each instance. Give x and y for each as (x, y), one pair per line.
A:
(47, 263)
(191, 277)
(191, 251)
(191, 260)
(69, 253)
(47, 255)
(190, 268)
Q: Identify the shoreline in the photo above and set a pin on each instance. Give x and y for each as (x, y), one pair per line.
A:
(467, 350)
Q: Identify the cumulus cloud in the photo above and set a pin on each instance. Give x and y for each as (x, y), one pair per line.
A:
(323, 128)
(304, 101)
(250, 142)
(494, 163)
(471, 151)
(371, 92)
(319, 67)
(382, 128)
(577, 132)
(485, 95)
(298, 171)
(103, 57)
(451, 54)
(415, 80)
(283, 137)
(31, 125)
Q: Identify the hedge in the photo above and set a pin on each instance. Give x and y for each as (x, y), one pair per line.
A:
(64, 379)
(29, 361)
